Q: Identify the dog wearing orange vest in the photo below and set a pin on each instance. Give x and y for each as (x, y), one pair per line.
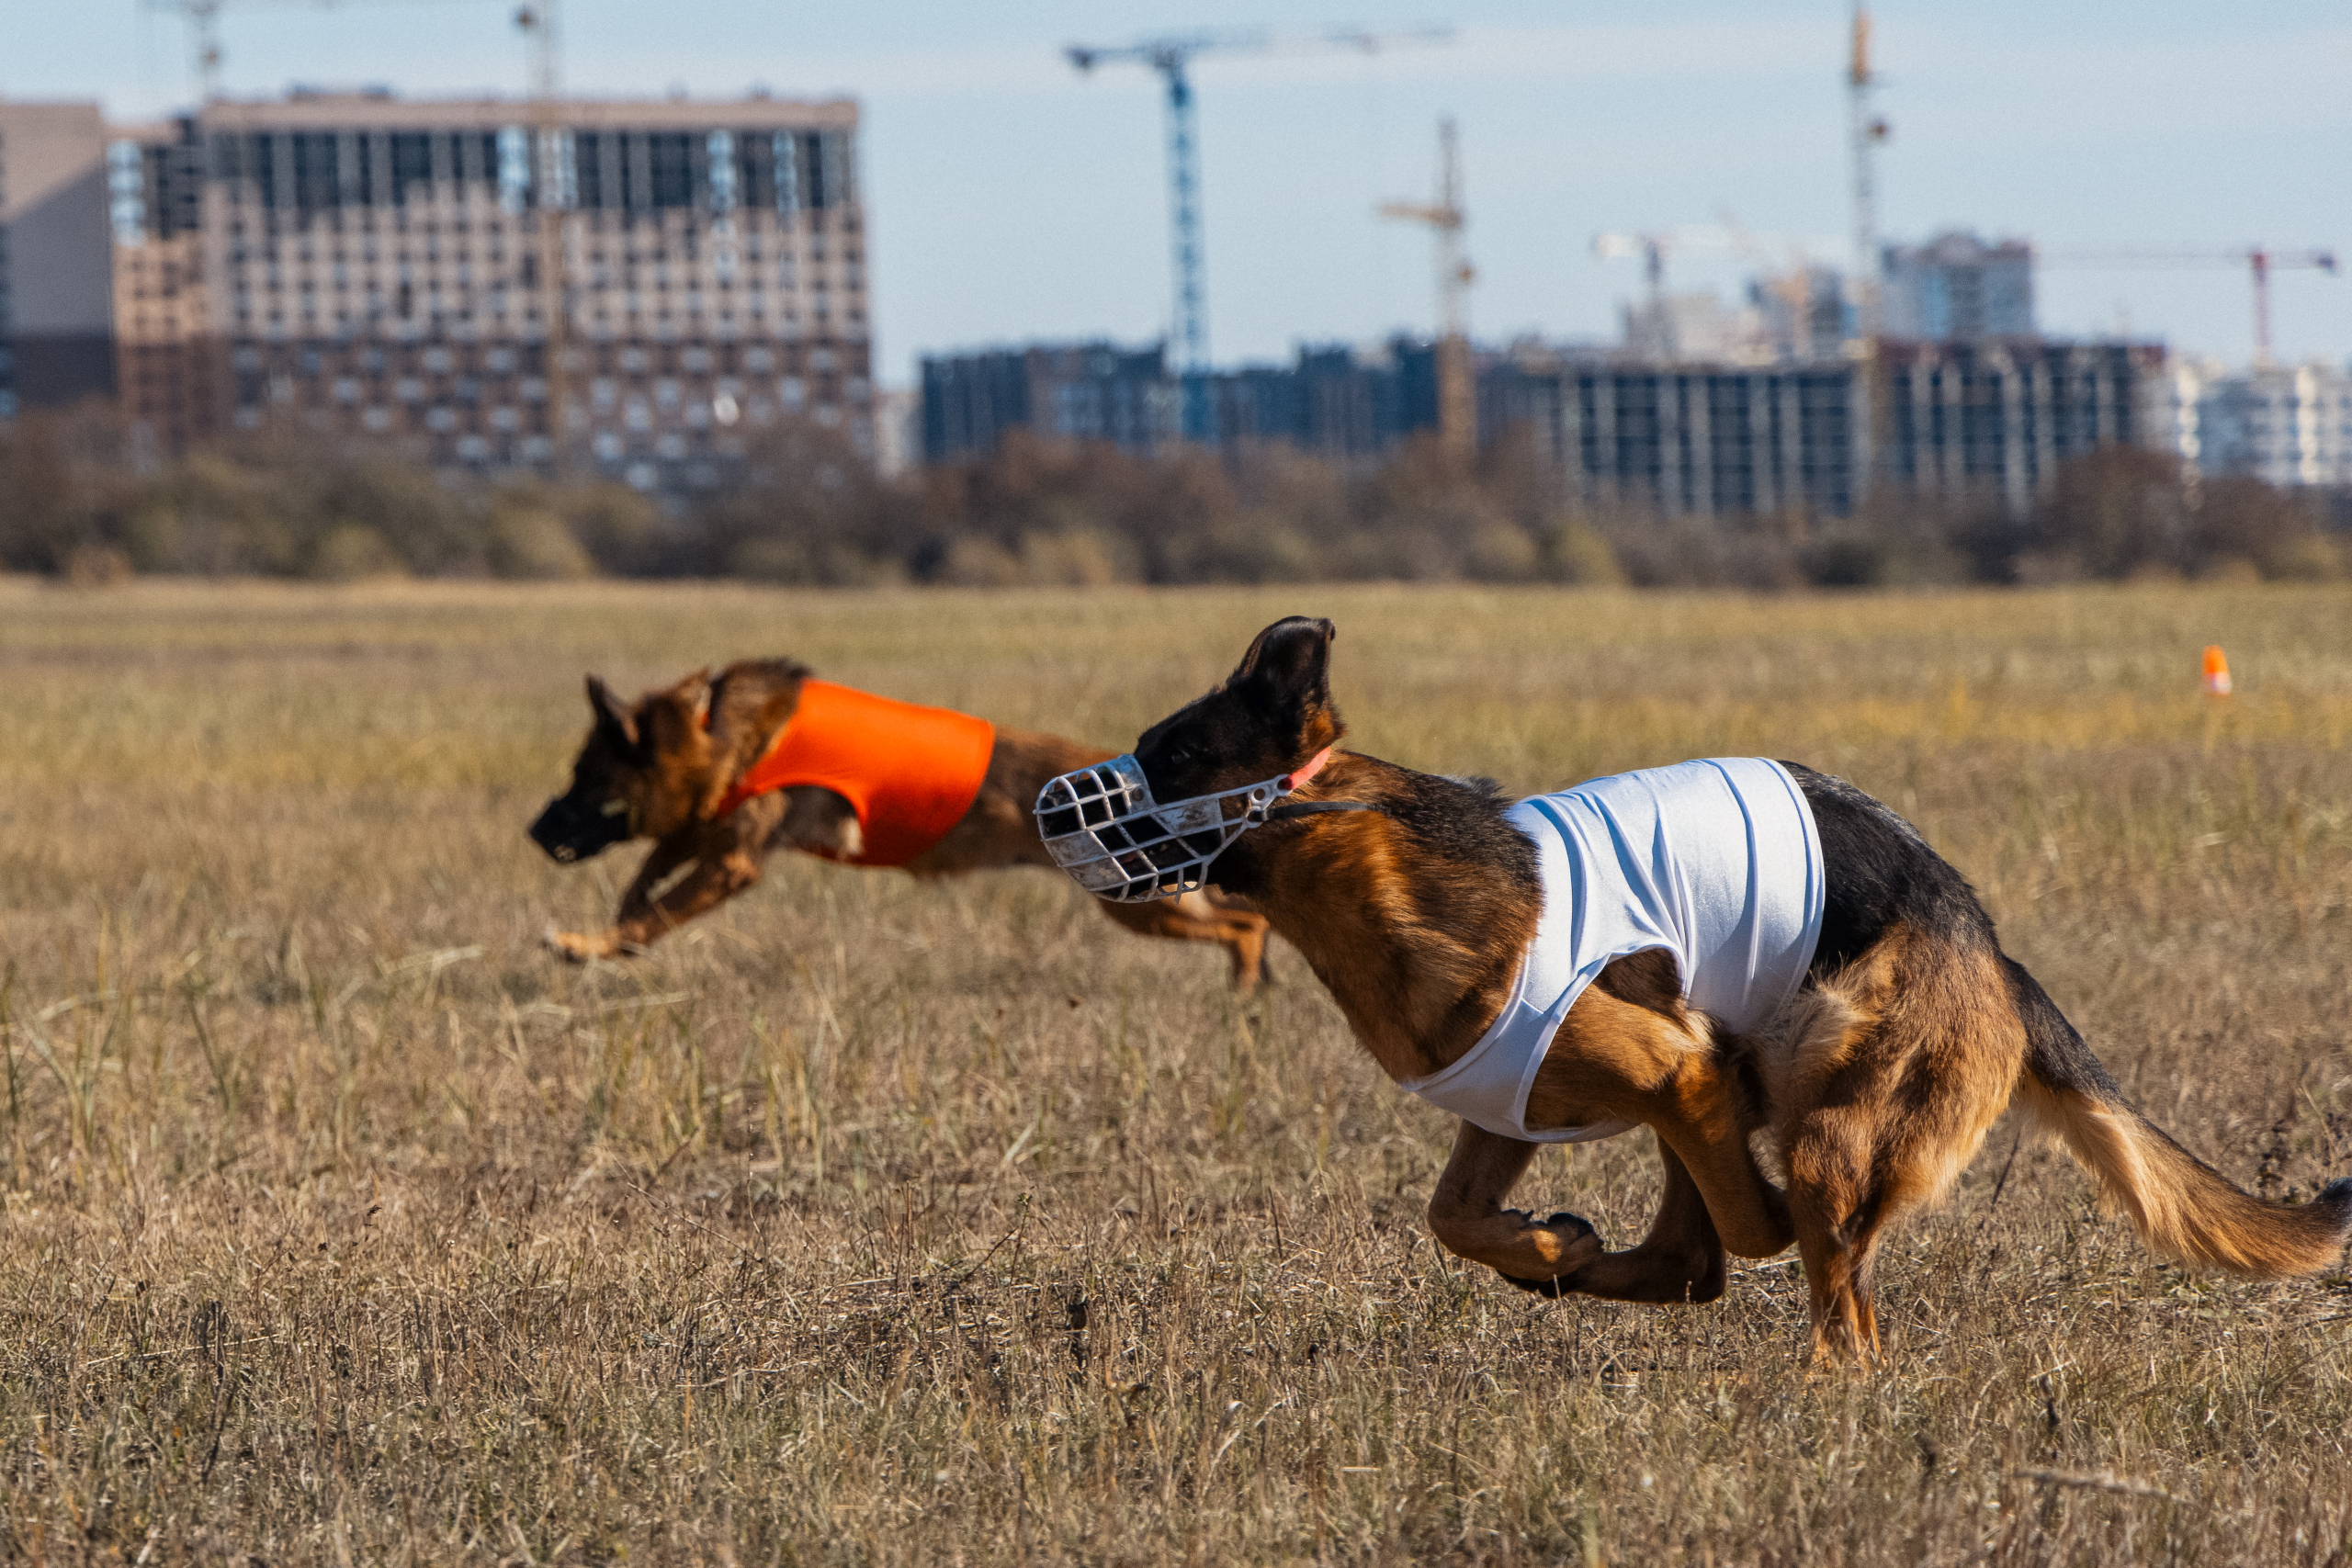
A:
(719, 771)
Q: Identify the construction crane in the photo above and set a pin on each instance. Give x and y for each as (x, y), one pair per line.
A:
(1652, 247)
(1865, 131)
(1731, 238)
(203, 18)
(2260, 261)
(1457, 409)
(1171, 56)
(540, 22)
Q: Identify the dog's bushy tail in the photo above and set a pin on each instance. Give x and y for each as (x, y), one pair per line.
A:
(2182, 1206)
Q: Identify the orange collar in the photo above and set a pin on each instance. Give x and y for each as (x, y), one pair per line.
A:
(1314, 766)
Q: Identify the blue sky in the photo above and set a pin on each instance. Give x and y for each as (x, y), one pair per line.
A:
(1014, 198)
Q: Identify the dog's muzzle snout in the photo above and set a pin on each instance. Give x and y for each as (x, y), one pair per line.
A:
(1101, 826)
(570, 833)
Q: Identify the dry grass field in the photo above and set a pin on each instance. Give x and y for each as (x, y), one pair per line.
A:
(872, 1221)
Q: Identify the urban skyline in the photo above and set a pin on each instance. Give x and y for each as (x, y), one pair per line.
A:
(365, 263)
(1568, 127)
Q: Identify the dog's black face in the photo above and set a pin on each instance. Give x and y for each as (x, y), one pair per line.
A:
(570, 831)
(1272, 715)
(595, 813)
(636, 775)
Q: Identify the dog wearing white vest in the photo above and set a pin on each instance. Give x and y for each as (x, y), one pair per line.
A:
(1711, 950)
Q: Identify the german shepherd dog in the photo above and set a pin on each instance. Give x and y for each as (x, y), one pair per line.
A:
(1909, 1035)
(663, 768)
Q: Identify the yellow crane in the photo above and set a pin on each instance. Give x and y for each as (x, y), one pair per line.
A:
(540, 21)
(203, 18)
(1457, 401)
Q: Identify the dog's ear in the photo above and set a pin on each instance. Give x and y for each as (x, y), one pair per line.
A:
(676, 722)
(694, 694)
(1287, 675)
(613, 721)
(750, 703)
(761, 696)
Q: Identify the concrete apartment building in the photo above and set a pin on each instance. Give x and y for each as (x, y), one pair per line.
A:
(1701, 411)
(1956, 288)
(359, 264)
(169, 352)
(1684, 440)
(1687, 438)
(2287, 425)
(1999, 417)
(1334, 402)
(56, 309)
(1090, 392)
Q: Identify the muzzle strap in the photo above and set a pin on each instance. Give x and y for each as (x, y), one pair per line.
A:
(1317, 807)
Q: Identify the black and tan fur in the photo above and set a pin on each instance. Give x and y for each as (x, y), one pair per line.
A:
(659, 768)
(1911, 1035)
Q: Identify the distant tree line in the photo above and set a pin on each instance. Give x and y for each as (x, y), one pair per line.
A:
(804, 509)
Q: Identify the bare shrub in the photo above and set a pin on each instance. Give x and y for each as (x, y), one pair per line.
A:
(534, 542)
(806, 509)
(1692, 553)
(352, 552)
(622, 530)
(1576, 554)
(214, 515)
(800, 506)
(2117, 513)
(2238, 519)
(64, 476)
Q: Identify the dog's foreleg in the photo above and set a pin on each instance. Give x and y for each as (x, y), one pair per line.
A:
(716, 878)
(1681, 1260)
(723, 865)
(1468, 1216)
(636, 902)
(1656, 1063)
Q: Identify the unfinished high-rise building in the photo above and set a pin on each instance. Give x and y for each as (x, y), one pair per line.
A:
(632, 287)
(1956, 288)
(56, 326)
(2288, 425)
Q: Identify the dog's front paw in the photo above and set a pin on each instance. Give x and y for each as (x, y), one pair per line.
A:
(1581, 1245)
(573, 947)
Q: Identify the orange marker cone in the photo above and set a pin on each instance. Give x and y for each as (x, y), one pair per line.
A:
(2217, 673)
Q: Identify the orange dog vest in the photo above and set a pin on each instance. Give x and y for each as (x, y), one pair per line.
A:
(910, 772)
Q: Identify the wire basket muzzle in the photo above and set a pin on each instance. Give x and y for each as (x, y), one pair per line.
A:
(1100, 825)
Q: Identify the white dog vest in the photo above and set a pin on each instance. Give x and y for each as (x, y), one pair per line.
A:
(1717, 862)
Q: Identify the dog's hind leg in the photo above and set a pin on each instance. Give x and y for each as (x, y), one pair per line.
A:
(1896, 1069)
(1196, 917)
(1466, 1214)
